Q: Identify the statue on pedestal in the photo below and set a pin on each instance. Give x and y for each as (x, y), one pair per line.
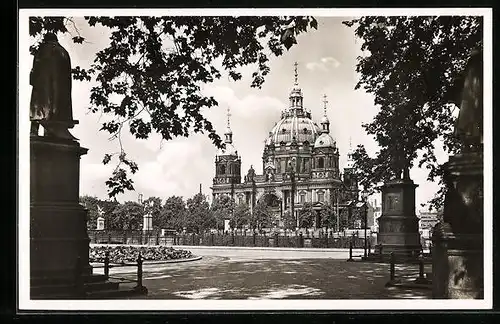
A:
(458, 240)
(469, 126)
(50, 77)
(463, 195)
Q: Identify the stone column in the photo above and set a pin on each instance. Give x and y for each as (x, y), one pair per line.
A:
(457, 253)
(458, 246)
(58, 230)
(398, 224)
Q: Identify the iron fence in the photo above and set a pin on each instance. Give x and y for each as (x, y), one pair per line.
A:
(236, 238)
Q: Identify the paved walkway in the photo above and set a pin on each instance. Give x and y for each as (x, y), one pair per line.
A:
(246, 273)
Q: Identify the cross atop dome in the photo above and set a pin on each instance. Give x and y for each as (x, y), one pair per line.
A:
(325, 101)
(296, 74)
(228, 115)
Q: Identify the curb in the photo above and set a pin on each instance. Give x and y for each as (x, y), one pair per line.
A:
(194, 258)
(280, 249)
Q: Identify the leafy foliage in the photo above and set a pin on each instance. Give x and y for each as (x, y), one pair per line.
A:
(413, 66)
(91, 204)
(149, 77)
(199, 218)
(173, 214)
(289, 221)
(328, 217)
(241, 216)
(126, 216)
(306, 216)
(262, 215)
(221, 209)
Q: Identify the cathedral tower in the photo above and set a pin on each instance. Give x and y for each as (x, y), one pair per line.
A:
(228, 162)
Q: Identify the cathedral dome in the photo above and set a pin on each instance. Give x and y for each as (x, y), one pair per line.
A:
(324, 140)
(299, 126)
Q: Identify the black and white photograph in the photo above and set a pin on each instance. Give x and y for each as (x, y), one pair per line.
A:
(251, 159)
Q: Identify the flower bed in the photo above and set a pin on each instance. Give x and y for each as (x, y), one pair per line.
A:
(129, 254)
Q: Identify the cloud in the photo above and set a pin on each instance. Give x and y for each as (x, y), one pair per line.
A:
(324, 64)
(92, 178)
(182, 164)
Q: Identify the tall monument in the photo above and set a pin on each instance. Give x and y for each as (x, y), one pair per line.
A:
(59, 243)
(398, 224)
(59, 240)
(458, 241)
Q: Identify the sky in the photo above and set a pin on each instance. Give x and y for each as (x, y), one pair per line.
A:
(326, 65)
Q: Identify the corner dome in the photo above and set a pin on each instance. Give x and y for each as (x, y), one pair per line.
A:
(324, 140)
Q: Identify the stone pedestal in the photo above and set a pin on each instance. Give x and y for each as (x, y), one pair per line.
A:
(58, 230)
(398, 224)
(457, 254)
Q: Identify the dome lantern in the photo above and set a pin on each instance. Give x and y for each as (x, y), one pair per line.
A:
(229, 132)
(296, 99)
(350, 162)
(229, 149)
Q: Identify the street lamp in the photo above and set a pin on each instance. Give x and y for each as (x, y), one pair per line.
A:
(291, 168)
(364, 196)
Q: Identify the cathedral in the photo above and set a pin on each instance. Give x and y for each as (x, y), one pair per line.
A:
(300, 164)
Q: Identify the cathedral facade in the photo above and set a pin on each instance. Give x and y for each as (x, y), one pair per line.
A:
(300, 164)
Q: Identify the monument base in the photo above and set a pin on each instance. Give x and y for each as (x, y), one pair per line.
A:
(457, 264)
(398, 225)
(458, 247)
(59, 243)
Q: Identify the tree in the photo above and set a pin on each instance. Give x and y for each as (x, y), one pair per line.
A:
(306, 215)
(91, 203)
(150, 75)
(343, 219)
(289, 222)
(126, 216)
(413, 68)
(262, 215)
(222, 209)
(173, 214)
(328, 216)
(241, 216)
(154, 210)
(199, 218)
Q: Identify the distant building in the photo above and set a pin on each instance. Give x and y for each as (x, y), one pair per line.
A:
(300, 160)
(376, 212)
(427, 221)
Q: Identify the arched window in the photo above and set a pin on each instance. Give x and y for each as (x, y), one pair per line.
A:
(321, 162)
(222, 169)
